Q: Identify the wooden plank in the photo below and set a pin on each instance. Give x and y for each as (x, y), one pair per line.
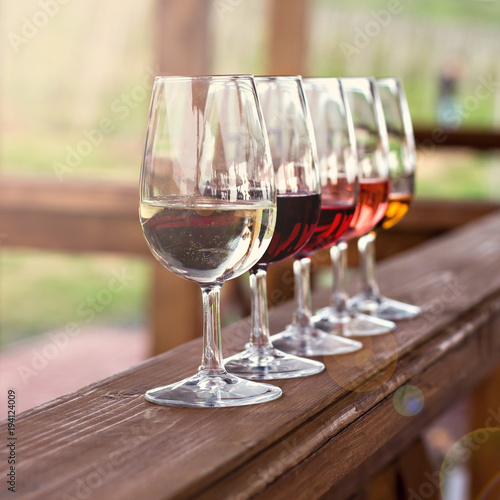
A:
(339, 427)
(75, 216)
(344, 461)
(426, 219)
(428, 139)
(288, 27)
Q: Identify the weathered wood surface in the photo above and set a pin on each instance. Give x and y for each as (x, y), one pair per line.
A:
(323, 438)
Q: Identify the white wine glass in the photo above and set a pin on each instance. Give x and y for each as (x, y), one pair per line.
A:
(402, 163)
(293, 150)
(207, 210)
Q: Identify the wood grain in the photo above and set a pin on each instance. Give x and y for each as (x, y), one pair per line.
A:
(327, 433)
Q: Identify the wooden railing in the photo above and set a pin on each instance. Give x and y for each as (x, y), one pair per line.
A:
(96, 217)
(332, 435)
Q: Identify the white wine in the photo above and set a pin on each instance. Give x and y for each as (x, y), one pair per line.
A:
(207, 241)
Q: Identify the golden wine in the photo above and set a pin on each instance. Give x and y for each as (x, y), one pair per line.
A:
(399, 203)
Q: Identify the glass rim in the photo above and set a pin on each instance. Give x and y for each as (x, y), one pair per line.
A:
(320, 78)
(189, 78)
(359, 78)
(277, 77)
(384, 79)
(323, 82)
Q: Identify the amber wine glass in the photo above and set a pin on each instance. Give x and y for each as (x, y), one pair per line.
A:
(402, 162)
(207, 210)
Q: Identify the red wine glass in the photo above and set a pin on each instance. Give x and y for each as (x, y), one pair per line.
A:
(339, 191)
(293, 150)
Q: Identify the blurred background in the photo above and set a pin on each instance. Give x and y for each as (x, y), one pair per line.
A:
(81, 297)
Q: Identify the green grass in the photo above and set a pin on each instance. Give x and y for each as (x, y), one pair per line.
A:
(43, 291)
(458, 175)
(483, 11)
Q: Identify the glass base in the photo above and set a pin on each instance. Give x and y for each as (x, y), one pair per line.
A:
(311, 341)
(351, 324)
(267, 363)
(384, 307)
(213, 388)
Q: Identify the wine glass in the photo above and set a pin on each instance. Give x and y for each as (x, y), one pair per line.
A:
(339, 186)
(293, 150)
(208, 204)
(374, 187)
(402, 162)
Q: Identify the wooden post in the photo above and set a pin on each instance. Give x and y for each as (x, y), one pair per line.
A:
(182, 36)
(177, 309)
(289, 34)
(414, 468)
(383, 486)
(182, 49)
(485, 450)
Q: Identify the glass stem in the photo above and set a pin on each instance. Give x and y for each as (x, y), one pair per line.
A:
(366, 247)
(338, 254)
(259, 335)
(303, 303)
(212, 341)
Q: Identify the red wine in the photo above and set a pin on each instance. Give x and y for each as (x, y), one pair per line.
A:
(297, 215)
(371, 207)
(334, 220)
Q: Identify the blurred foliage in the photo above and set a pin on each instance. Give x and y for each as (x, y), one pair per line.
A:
(43, 291)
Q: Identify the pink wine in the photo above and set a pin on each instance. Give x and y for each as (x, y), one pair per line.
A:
(371, 207)
(296, 219)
